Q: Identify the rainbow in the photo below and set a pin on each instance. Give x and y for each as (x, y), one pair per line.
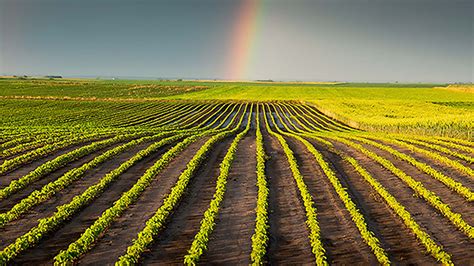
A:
(243, 40)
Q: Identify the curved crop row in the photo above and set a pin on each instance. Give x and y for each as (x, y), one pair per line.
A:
(447, 181)
(359, 220)
(13, 163)
(58, 162)
(310, 110)
(176, 119)
(145, 112)
(201, 239)
(220, 113)
(460, 143)
(15, 140)
(160, 116)
(260, 237)
(296, 111)
(180, 113)
(431, 247)
(218, 127)
(157, 221)
(36, 143)
(66, 211)
(90, 236)
(311, 213)
(440, 148)
(47, 191)
(207, 112)
(455, 218)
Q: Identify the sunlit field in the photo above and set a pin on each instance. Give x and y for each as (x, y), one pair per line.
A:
(173, 172)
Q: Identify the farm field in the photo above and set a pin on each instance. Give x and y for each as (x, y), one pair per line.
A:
(384, 107)
(128, 172)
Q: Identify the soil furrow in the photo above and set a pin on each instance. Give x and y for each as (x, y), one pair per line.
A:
(289, 240)
(447, 170)
(25, 168)
(48, 207)
(121, 233)
(340, 236)
(457, 203)
(8, 203)
(231, 241)
(58, 240)
(398, 241)
(172, 244)
(437, 226)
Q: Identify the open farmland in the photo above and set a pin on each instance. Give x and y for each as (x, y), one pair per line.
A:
(174, 174)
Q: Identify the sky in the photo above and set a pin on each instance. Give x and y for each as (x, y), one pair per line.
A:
(318, 40)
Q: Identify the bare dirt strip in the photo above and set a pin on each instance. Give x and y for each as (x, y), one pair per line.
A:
(437, 226)
(24, 169)
(453, 173)
(457, 202)
(231, 242)
(289, 242)
(120, 235)
(69, 232)
(172, 244)
(398, 241)
(9, 202)
(340, 236)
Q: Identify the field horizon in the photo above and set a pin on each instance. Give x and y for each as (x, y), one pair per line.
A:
(238, 132)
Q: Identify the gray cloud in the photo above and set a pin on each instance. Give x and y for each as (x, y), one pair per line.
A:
(384, 40)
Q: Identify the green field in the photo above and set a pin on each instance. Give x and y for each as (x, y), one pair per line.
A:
(163, 172)
(426, 109)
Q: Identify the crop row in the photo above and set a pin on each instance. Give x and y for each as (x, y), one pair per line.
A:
(311, 212)
(66, 211)
(440, 148)
(36, 142)
(158, 220)
(455, 218)
(424, 238)
(72, 175)
(201, 239)
(357, 217)
(92, 234)
(260, 237)
(447, 181)
(56, 163)
(431, 247)
(15, 162)
(418, 187)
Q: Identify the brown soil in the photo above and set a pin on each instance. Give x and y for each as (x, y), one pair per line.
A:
(30, 166)
(453, 199)
(121, 233)
(9, 202)
(340, 236)
(172, 244)
(71, 230)
(382, 221)
(447, 170)
(30, 219)
(454, 158)
(289, 242)
(231, 241)
(438, 227)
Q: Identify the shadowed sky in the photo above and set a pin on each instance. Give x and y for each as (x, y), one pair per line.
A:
(345, 40)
